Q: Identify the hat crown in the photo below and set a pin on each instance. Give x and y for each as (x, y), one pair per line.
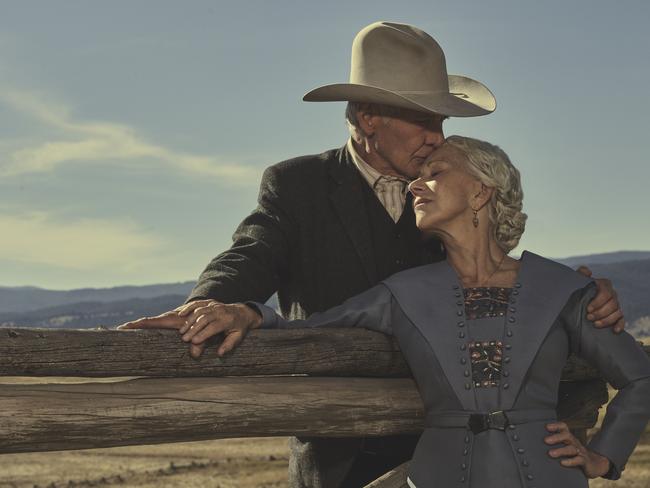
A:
(398, 57)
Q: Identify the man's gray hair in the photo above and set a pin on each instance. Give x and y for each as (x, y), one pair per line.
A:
(352, 108)
(492, 167)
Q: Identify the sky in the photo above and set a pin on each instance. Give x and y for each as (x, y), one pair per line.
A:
(134, 133)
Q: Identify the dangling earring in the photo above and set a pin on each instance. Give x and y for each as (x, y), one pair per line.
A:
(475, 219)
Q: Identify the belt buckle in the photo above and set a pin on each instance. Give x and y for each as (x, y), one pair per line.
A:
(478, 422)
(497, 420)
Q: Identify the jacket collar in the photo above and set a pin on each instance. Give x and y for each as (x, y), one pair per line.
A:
(346, 196)
(541, 290)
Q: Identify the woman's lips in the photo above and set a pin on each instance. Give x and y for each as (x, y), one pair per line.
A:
(420, 201)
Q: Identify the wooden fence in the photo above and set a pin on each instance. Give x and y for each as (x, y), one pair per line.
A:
(333, 382)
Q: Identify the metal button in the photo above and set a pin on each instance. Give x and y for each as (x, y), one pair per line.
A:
(530, 477)
(457, 294)
(463, 361)
(512, 426)
(506, 386)
(511, 319)
(515, 437)
(466, 373)
(509, 333)
(462, 479)
(513, 301)
(513, 309)
(463, 347)
(506, 359)
(524, 462)
(515, 292)
(460, 303)
(466, 439)
(459, 313)
(517, 285)
(508, 346)
(465, 452)
(463, 466)
(521, 450)
(461, 324)
(467, 386)
(505, 373)
(455, 287)
(461, 334)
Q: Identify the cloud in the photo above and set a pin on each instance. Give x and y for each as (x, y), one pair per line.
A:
(84, 244)
(72, 141)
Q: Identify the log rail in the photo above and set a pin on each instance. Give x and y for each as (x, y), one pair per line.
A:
(333, 382)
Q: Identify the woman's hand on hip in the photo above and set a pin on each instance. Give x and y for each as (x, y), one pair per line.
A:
(574, 453)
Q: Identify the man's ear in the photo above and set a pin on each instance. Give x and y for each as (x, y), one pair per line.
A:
(482, 196)
(367, 119)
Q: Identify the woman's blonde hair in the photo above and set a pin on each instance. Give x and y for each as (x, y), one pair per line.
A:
(492, 167)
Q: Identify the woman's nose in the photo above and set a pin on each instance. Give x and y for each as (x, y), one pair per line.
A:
(414, 186)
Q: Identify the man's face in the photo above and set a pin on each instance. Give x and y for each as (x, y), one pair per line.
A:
(405, 140)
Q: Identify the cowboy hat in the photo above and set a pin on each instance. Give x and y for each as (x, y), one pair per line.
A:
(402, 66)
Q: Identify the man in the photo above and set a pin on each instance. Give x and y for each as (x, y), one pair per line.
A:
(332, 225)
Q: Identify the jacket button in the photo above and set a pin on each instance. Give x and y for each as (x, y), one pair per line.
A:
(459, 313)
(466, 439)
(463, 361)
(467, 386)
(511, 319)
(505, 373)
(524, 462)
(506, 359)
(509, 333)
(530, 477)
(463, 347)
(461, 334)
(506, 386)
(461, 324)
(463, 466)
(515, 437)
(521, 450)
(462, 479)
(466, 373)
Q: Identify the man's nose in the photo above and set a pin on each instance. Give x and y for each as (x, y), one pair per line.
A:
(435, 136)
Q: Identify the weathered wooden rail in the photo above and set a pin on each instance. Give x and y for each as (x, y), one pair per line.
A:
(334, 382)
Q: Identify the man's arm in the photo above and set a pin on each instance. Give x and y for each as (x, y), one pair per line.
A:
(250, 270)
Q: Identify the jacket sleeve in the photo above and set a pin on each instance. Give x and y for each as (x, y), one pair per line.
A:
(625, 366)
(370, 309)
(253, 266)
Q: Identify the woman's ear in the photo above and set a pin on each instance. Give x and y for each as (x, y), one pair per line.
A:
(482, 196)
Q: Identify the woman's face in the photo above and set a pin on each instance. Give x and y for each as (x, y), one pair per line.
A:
(444, 192)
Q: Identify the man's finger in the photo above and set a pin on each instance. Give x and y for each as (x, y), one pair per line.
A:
(199, 325)
(210, 330)
(168, 320)
(230, 342)
(585, 271)
(620, 325)
(605, 293)
(190, 307)
(611, 319)
(196, 350)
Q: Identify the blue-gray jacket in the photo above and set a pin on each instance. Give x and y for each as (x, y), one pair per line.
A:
(545, 322)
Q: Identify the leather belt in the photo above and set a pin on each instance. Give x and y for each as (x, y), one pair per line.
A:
(480, 421)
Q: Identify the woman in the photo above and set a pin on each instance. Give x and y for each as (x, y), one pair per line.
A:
(486, 337)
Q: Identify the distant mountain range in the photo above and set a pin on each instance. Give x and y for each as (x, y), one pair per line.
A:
(90, 307)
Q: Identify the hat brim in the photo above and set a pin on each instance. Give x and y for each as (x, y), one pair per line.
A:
(466, 97)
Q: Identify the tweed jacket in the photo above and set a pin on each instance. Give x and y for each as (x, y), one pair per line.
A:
(310, 240)
(545, 321)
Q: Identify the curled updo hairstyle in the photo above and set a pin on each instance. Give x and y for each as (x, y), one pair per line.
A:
(491, 166)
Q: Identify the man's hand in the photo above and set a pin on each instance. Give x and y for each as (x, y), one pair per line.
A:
(573, 453)
(206, 318)
(604, 310)
(167, 320)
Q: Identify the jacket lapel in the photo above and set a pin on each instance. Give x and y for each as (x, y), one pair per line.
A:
(542, 289)
(347, 199)
(431, 297)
